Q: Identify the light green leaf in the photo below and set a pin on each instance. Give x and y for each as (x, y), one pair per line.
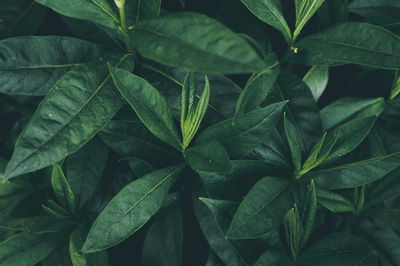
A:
(138, 10)
(357, 173)
(334, 201)
(190, 117)
(294, 230)
(20, 17)
(256, 89)
(248, 131)
(261, 211)
(149, 105)
(271, 12)
(295, 143)
(26, 249)
(62, 189)
(319, 153)
(97, 11)
(208, 46)
(347, 109)
(79, 105)
(209, 157)
(396, 86)
(346, 43)
(30, 65)
(85, 168)
(130, 209)
(164, 238)
(317, 79)
(305, 9)
(76, 240)
(338, 249)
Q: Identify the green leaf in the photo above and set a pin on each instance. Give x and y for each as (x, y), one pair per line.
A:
(338, 249)
(349, 136)
(334, 201)
(389, 216)
(295, 143)
(271, 12)
(148, 104)
(132, 138)
(294, 230)
(130, 209)
(248, 131)
(357, 173)
(139, 167)
(347, 109)
(273, 258)
(20, 17)
(209, 157)
(261, 211)
(30, 65)
(384, 189)
(256, 90)
(214, 218)
(319, 153)
(396, 86)
(55, 210)
(305, 9)
(97, 11)
(317, 79)
(67, 118)
(76, 240)
(85, 168)
(376, 8)
(138, 10)
(191, 118)
(26, 249)
(308, 210)
(62, 189)
(346, 44)
(164, 238)
(207, 45)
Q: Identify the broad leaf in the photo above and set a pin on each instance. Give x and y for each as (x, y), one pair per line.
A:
(357, 173)
(209, 157)
(317, 80)
(294, 230)
(148, 104)
(61, 188)
(261, 212)
(26, 249)
(130, 209)
(389, 9)
(138, 10)
(164, 238)
(242, 136)
(338, 249)
(31, 65)
(208, 46)
(346, 43)
(20, 17)
(273, 258)
(384, 189)
(97, 11)
(271, 12)
(67, 118)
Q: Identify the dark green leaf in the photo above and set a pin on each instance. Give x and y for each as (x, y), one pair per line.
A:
(148, 104)
(62, 189)
(273, 258)
(305, 9)
(317, 79)
(294, 230)
(30, 65)
(208, 46)
(125, 214)
(334, 201)
(67, 118)
(209, 157)
(295, 143)
(308, 210)
(262, 210)
(242, 136)
(347, 43)
(164, 241)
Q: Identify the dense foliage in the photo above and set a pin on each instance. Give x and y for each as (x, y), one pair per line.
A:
(252, 132)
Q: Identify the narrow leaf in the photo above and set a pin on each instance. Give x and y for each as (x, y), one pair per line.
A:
(317, 79)
(62, 189)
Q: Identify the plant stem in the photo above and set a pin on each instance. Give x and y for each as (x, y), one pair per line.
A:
(125, 29)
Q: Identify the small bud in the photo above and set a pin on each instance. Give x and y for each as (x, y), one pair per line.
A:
(119, 3)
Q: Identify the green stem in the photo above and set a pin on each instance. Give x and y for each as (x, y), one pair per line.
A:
(125, 29)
